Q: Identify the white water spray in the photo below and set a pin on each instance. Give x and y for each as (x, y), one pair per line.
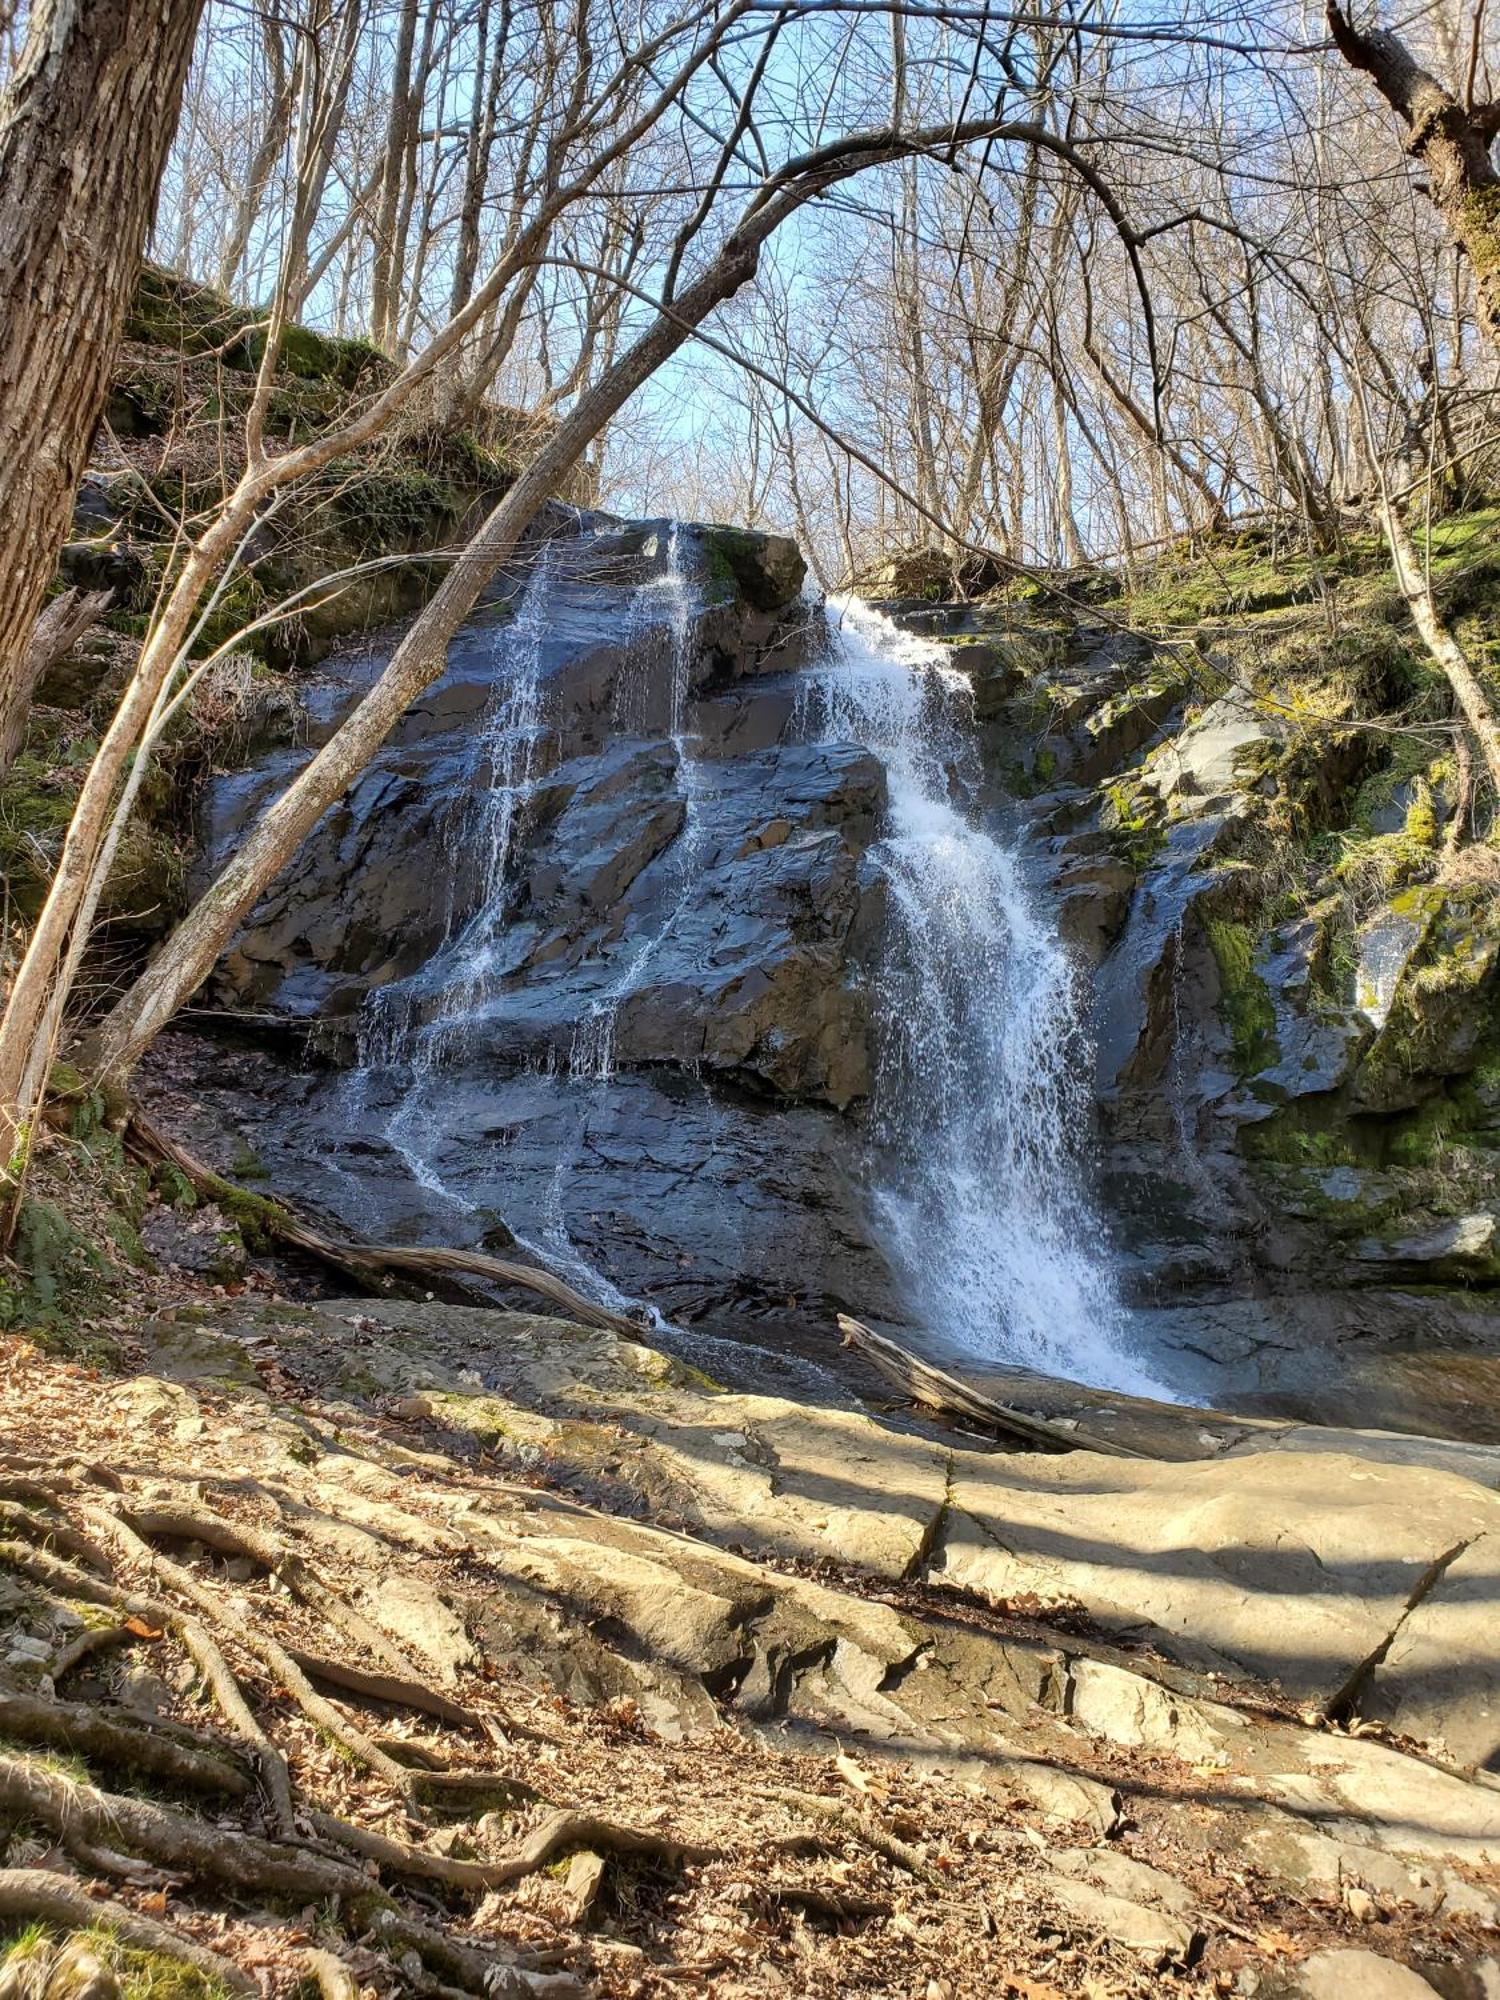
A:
(979, 1102)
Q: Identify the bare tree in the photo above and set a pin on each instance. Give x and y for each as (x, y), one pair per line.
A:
(1451, 134)
(85, 123)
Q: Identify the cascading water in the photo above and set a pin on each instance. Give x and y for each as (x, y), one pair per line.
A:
(593, 1052)
(415, 1026)
(978, 1113)
(978, 1110)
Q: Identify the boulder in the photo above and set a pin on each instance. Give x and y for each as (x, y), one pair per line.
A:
(767, 571)
(1342, 1973)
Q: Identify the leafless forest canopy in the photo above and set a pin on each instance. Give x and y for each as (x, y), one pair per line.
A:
(1216, 289)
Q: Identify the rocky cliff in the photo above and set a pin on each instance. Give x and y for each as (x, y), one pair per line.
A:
(646, 1044)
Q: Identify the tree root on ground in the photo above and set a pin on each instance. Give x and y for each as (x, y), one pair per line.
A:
(81, 1542)
(155, 1749)
(37, 1895)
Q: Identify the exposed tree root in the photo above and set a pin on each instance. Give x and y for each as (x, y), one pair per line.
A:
(416, 1786)
(36, 1895)
(236, 1538)
(155, 1749)
(242, 1863)
(863, 1827)
(561, 1832)
(387, 1688)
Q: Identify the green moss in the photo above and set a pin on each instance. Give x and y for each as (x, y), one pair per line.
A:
(173, 1185)
(1419, 1138)
(1380, 866)
(1131, 815)
(766, 573)
(322, 357)
(1421, 815)
(173, 312)
(141, 1975)
(56, 1281)
(1245, 1005)
(1306, 1135)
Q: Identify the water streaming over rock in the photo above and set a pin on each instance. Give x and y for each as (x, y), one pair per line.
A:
(979, 1108)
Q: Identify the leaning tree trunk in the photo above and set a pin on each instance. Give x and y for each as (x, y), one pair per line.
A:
(85, 124)
(1452, 141)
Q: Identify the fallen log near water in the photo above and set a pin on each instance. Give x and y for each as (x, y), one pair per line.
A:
(949, 1397)
(366, 1262)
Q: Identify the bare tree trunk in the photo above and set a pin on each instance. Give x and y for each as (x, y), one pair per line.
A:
(386, 279)
(59, 628)
(272, 140)
(85, 124)
(483, 116)
(1451, 140)
(1440, 642)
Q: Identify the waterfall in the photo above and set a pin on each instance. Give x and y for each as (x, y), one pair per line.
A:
(414, 1027)
(979, 1114)
(980, 1102)
(593, 1052)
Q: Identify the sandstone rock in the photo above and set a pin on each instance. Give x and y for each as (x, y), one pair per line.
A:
(1129, 1709)
(1108, 1869)
(1345, 1974)
(1206, 1557)
(1158, 1936)
(1439, 1681)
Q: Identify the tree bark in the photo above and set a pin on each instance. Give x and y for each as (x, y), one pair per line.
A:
(1439, 640)
(85, 124)
(1453, 141)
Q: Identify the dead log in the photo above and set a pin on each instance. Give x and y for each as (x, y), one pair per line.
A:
(935, 1390)
(357, 1259)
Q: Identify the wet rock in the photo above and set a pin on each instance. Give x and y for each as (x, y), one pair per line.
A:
(1093, 899)
(200, 1241)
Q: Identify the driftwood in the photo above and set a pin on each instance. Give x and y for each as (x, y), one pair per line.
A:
(949, 1397)
(366, 1262)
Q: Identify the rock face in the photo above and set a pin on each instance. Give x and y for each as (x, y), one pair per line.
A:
(590, 941)
(1356, 1587)
(592, 947)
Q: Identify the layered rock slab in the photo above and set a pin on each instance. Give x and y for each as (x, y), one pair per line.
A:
(1344, 1581)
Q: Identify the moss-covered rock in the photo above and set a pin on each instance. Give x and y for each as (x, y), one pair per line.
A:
(1443, 1006)
(1245, 1005)
(767, 571)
